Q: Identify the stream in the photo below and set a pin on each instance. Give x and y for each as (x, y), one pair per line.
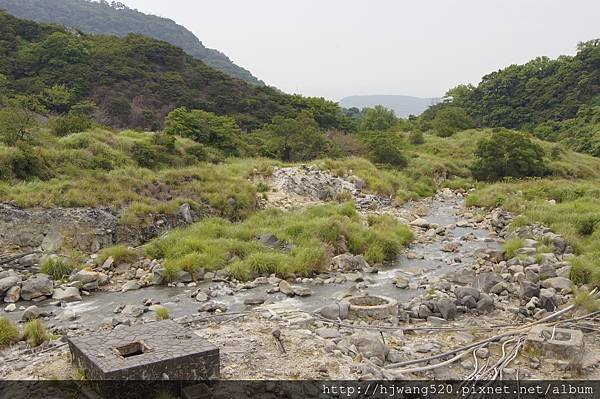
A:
(96, 308)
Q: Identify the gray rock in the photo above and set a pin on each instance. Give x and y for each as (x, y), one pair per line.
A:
(32, 312)
(85, 276)
(436, 320)
(13, 294)
(485, 303)
(558, 283)
(286, 288)
(255, 300)
(401, 282)
(130, 286)
(485, 281)
(212, 307)
(447, 308)
(7, 283)
(335, 311)
(420, 222)
(328, 333)
(548, 300)
(529, 289)
(369, 345)
(301, 291)
(202, 296)
(482, 353)
(469, 302)
(68, 294)
(547, 271)
(532, 276)
(423, 311)
(67, 315)
(133, 310)
(158, 275)
(462, 292)
(36, 287)
(184, 211)
(108, 263)
(52, 242)
(270, 240)
(10, 308)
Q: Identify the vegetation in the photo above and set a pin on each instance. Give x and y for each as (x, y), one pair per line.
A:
(119, 253)
(36, 333)
(57, 268)
(312, 237)
(162, 313)
(511, 246)
(113, 18)
(9, 333)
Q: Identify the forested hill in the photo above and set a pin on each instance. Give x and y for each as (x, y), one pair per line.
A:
(133, 81)
(116, 19)
(557, 99)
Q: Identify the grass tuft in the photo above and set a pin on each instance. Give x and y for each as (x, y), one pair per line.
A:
(9, 334)
(35, 333)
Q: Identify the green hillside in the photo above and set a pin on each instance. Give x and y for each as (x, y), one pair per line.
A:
(103, 18)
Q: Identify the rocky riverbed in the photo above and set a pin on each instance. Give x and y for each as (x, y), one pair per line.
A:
(453, 286)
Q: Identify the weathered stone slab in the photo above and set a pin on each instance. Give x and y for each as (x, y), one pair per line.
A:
(557, 343)
(151, 351)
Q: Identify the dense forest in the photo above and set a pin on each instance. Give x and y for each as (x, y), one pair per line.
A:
(557, 100)
(132, 81)
(114, 18)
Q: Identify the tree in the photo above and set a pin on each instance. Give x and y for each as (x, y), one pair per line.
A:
(386, 149)
(378, 118)
(508, 154)
(449, 120)
(58, 98)
(17, 121)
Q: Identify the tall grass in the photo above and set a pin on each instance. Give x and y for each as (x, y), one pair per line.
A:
(8, 332)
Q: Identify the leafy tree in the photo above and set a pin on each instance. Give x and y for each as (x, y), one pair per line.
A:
(508, 154)
(58, 98)
(221, 132)
(378, 118)
(69, 124)
(449, 120)
(386, 149)
(17, 121)
(416, 137)
(292, 140)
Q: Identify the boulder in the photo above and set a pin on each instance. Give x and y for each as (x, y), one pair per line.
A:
(420, 222)
(202, 296)
(10, 308)
(52, 241)
(131, 285)
(270, 240)
(184, 211)
(469, 301)
(558, 283)
(301, 291)
(401, 282)
(369, 345)
(485, 281)
(7, 283)
(462, 292)
(529, 289)
(286, 288)
(328, 333)
(212, 307)
(447, 308)
(158, 275)
(335, 311)
(547, 271)
(36, 287)
(451, 246)
(32, 312)
(485, 303)
(548, 300)
(133, 310)
(85, 276)
(13, 294)
(68, 294)
(254, 300)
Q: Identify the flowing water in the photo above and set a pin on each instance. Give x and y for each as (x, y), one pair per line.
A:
(94, 309)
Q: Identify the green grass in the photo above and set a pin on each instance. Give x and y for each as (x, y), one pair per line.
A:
(162, 313)
(119, 253)
(58, 268)
(575, 215)
(35, 333)
(9, 333)
(314, 236)
(511, 246)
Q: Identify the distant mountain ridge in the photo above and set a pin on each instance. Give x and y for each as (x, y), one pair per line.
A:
(114, 18)
(403, 106)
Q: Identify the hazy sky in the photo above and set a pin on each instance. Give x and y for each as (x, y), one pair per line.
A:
(336, 48)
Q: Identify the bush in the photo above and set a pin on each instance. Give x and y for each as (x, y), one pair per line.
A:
(56, 268)
(69, 124)
(35, 333)
(416, 137)
(9, 333)
(28, 163)
(378, 118)
(146, 155)
(508, 154)
(449, 120)
(511, 246)
(383, 149)
(162, 313)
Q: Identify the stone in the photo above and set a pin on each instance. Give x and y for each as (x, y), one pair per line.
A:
(436, 320)
(255, 300)
(451, 247)
(52, 242)
(301, 291)
(13, 294)
(185, 212)
(32, 312)
(547, 271)
(529, 289)
(133, 310)
(212, 307)
(202, 296)
(335, 311)
(469, 302)
(485, 281)
(328, 333)
(270, 240)
(420, 222)
(532, 276)
(131, 285)
(369, 345)
(401, 282)
(482, 353)
(158, 275)
(36, 287)
(462, 292)
(558, 283)
(447, 308)
(67, 315)
(548, 300)
(485, 303)
(68, 294)
(108, 263)
(10, 308)
(7, 283)
(85, 276)
(423, 311)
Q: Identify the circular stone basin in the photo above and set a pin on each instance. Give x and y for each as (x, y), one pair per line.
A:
(372, 307)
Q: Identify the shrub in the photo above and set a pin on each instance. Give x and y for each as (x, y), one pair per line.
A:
(8, 332)
(511, 246)
(35, 333)
(378, 118)
(450, 120)
(162, 313)
(508, 154)
(383, 149)
(262, 187)
(57, 268)
(416, 137)
(69, 124)
(146, 155)
(28, 163)
(197, 151)
(119, 253)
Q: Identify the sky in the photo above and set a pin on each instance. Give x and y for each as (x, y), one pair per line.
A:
(338, 48)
